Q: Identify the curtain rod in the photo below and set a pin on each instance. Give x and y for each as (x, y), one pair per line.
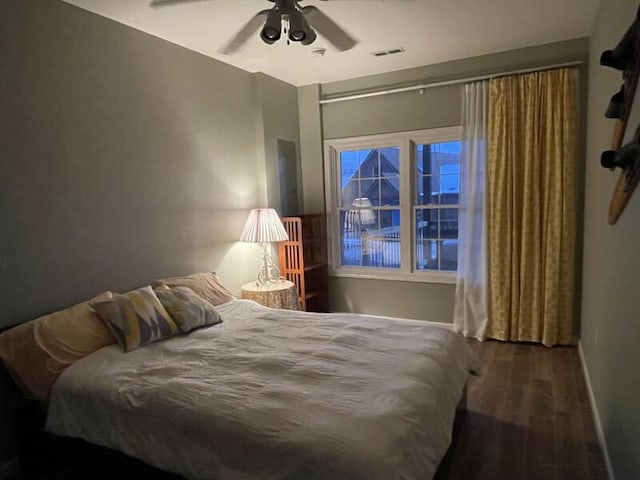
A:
(424, 86)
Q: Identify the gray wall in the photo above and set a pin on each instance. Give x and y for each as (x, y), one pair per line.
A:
(311, 148)
(123, 158)
(277, 106)
(610, 309)
(437, 107)
(432, 302)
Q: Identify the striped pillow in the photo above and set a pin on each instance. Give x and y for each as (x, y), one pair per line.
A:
(136, 318)
(188, 309)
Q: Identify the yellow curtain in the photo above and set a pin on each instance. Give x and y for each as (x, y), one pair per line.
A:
(531, 203)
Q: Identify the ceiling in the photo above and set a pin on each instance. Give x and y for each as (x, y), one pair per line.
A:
(430, 31)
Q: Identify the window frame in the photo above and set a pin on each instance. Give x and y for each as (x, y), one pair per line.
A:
(407, 142)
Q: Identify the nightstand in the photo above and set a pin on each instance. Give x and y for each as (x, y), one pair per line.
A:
(280, 294)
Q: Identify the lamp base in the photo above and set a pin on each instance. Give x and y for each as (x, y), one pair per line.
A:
(269, 271)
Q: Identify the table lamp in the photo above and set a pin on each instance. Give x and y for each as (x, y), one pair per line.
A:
(264, 226)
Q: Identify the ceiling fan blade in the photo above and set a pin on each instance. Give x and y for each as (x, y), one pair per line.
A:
(168, 3)
(329, 29)
(366, 0)
(245, 33)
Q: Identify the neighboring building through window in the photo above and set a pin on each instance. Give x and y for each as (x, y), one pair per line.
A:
(436, 209)
(393, 203)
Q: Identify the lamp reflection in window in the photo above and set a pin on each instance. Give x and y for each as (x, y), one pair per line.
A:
(357, 222)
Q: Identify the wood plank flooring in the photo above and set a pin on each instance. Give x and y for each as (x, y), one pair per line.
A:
(528, 417)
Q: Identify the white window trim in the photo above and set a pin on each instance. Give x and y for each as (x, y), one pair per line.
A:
(407, 142)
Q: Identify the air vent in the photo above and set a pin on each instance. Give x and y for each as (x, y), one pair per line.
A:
(391, 51)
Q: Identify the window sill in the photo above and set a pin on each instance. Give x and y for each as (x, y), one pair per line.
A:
(448, 278)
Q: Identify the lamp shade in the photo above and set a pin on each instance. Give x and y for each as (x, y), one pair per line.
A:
(363, 211)
(264, 226)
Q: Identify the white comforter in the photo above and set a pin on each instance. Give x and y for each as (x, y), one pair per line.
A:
(273, 394)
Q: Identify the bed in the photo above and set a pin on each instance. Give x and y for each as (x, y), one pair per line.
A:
(274, 394)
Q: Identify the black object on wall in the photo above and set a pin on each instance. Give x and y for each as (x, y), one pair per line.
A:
(625, 107)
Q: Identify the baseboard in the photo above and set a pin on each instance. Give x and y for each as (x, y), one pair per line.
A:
(10, 470)
(596, 415)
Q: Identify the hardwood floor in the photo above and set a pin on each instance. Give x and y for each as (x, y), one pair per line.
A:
(528, 417)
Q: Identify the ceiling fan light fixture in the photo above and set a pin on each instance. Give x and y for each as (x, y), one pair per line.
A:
(287, 19)
(266, 39)
(297, 35)
(298, 26)
(270, 33)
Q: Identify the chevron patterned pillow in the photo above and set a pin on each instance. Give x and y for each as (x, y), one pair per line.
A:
(188, 309)
(136, 318)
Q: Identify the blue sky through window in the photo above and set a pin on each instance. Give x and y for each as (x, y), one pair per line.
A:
(446, 172)
(350, 163)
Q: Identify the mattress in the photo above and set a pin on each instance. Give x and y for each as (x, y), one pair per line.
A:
(275, 395)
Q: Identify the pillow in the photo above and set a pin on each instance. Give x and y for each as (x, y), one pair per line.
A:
(206, 284)
(188, 309)
(38, 351)
(136, 318)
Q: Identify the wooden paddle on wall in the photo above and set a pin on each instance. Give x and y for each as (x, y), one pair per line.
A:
(625, 107)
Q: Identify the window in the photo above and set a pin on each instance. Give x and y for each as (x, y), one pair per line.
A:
(393, 204)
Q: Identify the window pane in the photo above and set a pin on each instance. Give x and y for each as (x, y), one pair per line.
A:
(428, 189)
(436, 239)
(389, 192)
(427, 254)
(368, 190)
(449, 223)
(450, 185)
(350, 193)
(370, 238)
(351, 247)
(438, 173)
(389, 180)
(437, 255)
(384, 240)
(390, 162)
(349, 174)
(427, 163)
(422, 185)
(436, 223)
(449, 255)
(426, 239)
(349, 163)
(370, 173)
(427, 223)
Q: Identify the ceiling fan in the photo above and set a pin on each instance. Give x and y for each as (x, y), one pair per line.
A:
(298, 24)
